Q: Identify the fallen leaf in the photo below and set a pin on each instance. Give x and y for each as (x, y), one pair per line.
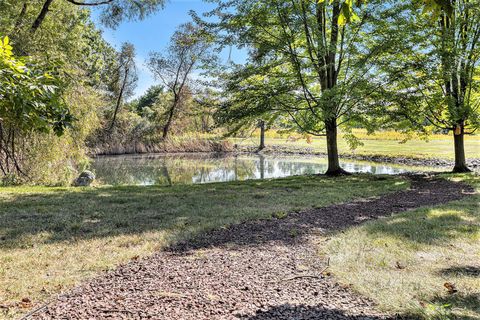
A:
(25, 303)
(450, 287)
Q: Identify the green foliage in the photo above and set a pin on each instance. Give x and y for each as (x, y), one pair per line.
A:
(68, 47)
(30, 94)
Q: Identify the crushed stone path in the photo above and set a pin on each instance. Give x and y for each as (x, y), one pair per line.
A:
(267, 269)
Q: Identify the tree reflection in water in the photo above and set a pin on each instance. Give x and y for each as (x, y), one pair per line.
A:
(170, 169)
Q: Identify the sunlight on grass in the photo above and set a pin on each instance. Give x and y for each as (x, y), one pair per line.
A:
(403, 262)
(53, 238)
(385, 143)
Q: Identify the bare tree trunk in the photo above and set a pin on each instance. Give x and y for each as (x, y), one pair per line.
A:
(39, 20)
(460, 160)
(119, 99)
(334, 168)
(171, 112)
(262, 135)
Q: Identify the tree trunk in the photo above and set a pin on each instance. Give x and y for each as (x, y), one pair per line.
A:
(166, 128)
(19, 22)
(262, 135)
(119, 99)
(38, 22)
(460, 161)
(334, 168)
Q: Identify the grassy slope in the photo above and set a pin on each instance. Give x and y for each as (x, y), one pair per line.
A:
(52, 238)
(384, 143)
(403, 261)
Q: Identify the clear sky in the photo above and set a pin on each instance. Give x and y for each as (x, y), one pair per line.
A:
(153, 34)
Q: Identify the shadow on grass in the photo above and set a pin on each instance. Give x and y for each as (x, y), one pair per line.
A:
(461, 271)
(34, 216)
(296, 227)
(290, 312)
(466, 306)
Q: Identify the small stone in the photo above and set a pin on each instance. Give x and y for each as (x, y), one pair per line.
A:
(85, 179)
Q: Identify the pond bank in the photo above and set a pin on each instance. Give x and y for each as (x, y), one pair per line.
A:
(408, 161)
(225, 147)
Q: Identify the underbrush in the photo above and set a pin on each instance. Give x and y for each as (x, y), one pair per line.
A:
(135, 134)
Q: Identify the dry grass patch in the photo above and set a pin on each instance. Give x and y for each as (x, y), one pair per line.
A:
(424, 263)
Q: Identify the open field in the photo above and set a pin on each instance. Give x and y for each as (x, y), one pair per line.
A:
(408, 262)
(383, 143)
(53, 238)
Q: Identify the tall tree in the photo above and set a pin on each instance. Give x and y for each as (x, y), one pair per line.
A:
(190, 48)
(125, 79)
(437, 51)
(307, 56)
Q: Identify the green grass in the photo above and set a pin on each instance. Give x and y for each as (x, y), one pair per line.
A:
(53, 238)
(403, 262)
(385, 144)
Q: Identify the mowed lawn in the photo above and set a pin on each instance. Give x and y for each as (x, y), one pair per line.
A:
(424, 263)
(383, 143)
(53, 238)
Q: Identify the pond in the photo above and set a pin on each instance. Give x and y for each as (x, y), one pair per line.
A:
(161, 169)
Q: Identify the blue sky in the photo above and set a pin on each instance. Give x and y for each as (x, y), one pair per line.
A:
(153, 34)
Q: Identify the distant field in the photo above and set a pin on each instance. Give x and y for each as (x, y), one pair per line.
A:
(386, 143)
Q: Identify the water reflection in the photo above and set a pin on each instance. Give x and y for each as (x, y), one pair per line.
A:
(203, 168)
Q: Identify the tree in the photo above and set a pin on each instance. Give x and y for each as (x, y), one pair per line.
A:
(125, 79)
(189, 49)
(114, 11)
(438, 54)
(248, 103)
(149, 99)
(306, 57)
(30, 101)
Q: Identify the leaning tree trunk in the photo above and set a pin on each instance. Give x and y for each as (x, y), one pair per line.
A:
(119, 100)
(43, 13)
(334, 168)
(459, 142)
(166, 128)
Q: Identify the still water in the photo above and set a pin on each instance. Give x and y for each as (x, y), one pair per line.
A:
(155, 169)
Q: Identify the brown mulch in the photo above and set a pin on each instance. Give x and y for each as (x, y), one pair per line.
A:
(266, 269)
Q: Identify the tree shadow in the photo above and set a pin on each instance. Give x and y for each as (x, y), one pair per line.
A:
(70, 215)
(461, 271)
(303, 312)
(65, 214)
(297, 227)
(465, 306)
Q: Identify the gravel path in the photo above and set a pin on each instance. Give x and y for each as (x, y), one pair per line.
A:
(266, 269)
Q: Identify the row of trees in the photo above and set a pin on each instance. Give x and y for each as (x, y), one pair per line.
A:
(314, 66)
(328, 64)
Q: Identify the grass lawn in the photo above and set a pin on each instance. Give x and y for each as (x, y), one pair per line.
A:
(53, 238)
(383, 143)
(407, 261)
